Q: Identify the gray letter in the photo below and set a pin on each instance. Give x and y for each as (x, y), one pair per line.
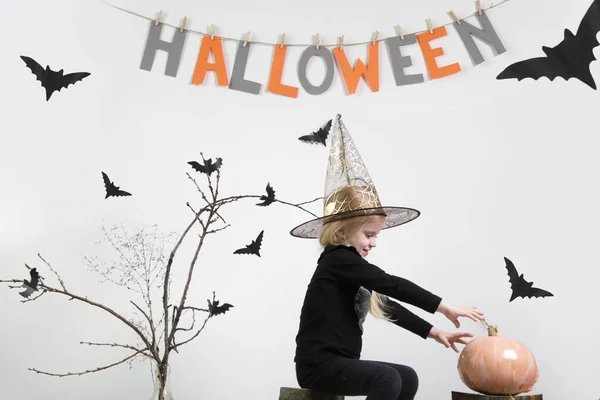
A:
(488, 35)
(239, 68)
(327, 57)
(399, 62)
(154, 43)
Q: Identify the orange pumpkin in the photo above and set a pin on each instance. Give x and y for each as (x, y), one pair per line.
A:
(496, 365)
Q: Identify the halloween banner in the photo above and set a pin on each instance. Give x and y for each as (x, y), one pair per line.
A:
(333, 56)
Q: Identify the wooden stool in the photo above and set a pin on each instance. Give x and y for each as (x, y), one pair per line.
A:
(474, 396)
(286, 393)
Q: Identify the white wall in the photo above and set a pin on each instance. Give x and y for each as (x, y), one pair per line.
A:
(497, 168)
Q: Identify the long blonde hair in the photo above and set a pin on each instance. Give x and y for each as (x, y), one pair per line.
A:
(337, 233)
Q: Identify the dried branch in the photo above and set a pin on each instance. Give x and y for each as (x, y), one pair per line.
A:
(89, 371)
(108, 310)
(125, 346)
(177, 345)
(62, 283)
(152, 328)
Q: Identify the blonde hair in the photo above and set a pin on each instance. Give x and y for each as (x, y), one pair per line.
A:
(337, 233)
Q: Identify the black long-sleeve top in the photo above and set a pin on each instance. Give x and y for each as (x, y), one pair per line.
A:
(329, 321)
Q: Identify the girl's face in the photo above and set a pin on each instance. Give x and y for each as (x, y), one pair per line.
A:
(365, 239)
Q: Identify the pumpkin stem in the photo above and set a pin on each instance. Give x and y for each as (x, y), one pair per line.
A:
(492, 329)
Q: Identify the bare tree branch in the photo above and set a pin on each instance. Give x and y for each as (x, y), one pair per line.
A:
(89, 371)
(108, 310)
(152, 329)
(143, 268)
(125, 346)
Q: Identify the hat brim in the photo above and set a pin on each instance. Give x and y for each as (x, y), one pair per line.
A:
(395, 216)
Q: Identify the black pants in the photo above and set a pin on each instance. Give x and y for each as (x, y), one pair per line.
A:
(377, 380)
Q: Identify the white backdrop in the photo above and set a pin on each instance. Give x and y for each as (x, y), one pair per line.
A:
(497, 168)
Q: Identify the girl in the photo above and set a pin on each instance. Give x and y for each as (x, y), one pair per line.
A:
(344, 287)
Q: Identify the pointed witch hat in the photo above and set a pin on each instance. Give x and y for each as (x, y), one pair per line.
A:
(349, 189)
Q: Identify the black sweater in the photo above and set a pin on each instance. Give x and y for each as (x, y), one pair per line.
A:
(332, 314)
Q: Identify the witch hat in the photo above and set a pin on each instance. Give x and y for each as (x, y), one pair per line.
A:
(349, 189)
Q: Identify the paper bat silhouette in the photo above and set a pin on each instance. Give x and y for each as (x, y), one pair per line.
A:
(52, 80)
(216, 309)
(209, 167)
(252, 248)
(269, 198)
(520, 287)
(320, 136)
(571, 58)
(30, 286)
(111, 189)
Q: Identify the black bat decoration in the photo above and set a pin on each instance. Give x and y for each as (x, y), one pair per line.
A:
(269, 198)
(52, 80)
(208, 167)
(520, 287)
(111, 189)
(30, 286)
(216, 309)
(252, 248)
(571, 58)
(320, 136)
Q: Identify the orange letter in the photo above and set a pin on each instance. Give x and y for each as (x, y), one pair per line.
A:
(202, 65)
(430, 54)
(275, 85)
(352, 75)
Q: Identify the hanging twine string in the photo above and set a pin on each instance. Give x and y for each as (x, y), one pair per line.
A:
(318, 43)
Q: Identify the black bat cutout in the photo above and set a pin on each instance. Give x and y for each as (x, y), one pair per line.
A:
(52, 80)
(571, 58)
(111, 189)
(320, 136)
(208, 167)
(216, 309)
(30, 286)
(269, 198)
(252, 248)
(520, 287)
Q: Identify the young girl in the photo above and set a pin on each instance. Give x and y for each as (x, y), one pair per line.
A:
(344, 287)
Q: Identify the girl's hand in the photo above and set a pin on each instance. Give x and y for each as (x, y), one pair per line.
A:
(452, 313)
(448, 339)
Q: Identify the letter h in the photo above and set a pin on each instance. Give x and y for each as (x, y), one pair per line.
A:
(154, 43)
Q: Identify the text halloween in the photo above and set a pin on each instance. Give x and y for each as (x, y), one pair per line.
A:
(351, 75)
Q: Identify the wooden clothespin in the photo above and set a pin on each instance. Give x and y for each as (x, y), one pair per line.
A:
(317, 42)
(182, 26)
(399, 32)
(374, 37)
(479, 6)
(246, 40)
(282, 41)
(342, 42)
(454, 18)
(157, 20)
(212, 31)
(429, 25)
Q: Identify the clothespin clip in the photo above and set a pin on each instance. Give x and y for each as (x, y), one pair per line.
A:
(374, 37)
(342, 42)
(212, 31)
(182, 26)
(454, 18)
(479, 6)
(282, 41)
(399, 32)
(429, 25)
(246, 40)
(317, 42)
(158, 18)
